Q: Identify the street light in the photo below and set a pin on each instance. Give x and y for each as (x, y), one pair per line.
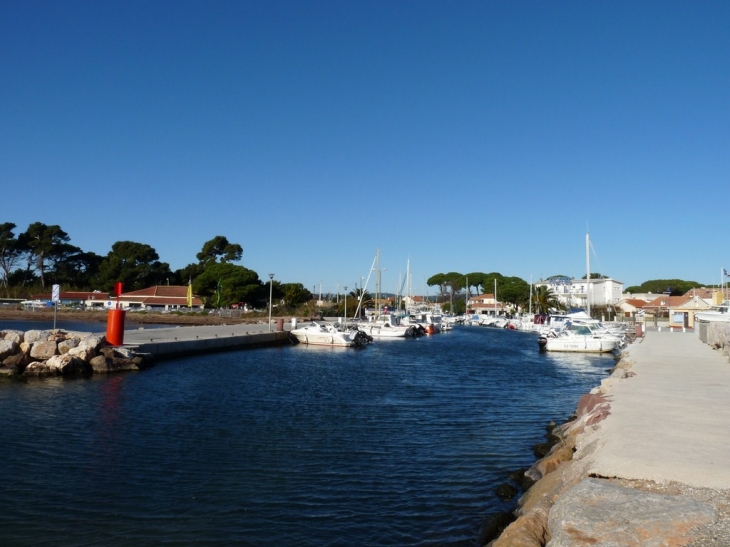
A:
(271, 293)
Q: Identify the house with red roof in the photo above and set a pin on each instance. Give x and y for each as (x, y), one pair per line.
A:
(680, 309)
(158, 297)
(485, 304)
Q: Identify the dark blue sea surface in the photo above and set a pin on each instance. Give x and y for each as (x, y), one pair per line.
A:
(400, 443)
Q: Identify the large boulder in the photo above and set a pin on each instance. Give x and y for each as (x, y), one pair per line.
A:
(38, 369)
(43, 350)
(17, 336)
(85, 354)
(597, 512)
(122, 363)
(7, 348)
(68, 365)
(15, 364)
(66, 345)
(99, 364)
(90, 344)
(36, 335)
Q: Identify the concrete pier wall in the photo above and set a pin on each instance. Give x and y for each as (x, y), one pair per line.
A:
(165, 349)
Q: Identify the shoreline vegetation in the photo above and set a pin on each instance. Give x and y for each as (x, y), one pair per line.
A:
(92, 316)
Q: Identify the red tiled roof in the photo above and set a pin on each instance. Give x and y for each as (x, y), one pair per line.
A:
(661, 302)
(702, 292)
(636, 302)
(169, 291)
(161, 301)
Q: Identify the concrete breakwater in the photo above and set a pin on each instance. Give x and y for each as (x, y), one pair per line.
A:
(644, 462)
(61, 353)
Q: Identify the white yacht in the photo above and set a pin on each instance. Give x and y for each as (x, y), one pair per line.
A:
(578, 338)
(386, 326)
(322, 333)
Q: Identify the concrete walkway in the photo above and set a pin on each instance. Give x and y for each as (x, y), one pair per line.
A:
(670, 422)
(176, 341)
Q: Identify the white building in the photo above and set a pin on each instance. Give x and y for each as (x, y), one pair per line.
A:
(574, 293)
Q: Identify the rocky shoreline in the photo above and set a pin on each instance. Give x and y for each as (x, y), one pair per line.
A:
(569, 506)
(36, 353)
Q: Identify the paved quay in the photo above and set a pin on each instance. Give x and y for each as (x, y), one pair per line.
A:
(671, 421)
(646, 463)
(166, 342)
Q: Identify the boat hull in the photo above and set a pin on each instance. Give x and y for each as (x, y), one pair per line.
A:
(325, 334)
(589, 345)
(322, 340)
(383, 332)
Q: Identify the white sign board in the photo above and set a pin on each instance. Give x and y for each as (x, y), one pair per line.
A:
(56, 294)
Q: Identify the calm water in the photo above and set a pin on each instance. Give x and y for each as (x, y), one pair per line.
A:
(401, 443)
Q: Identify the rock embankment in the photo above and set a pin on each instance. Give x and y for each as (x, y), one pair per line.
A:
(61, 353)
(570, 506)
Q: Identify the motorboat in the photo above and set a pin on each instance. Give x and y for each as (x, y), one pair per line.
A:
(386, 327)
(716, 314)
(578, 338)
(427, 322)
(322, 333)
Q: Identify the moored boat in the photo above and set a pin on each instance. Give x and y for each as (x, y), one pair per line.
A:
(322, 333)
(578, 338)
(386, 326)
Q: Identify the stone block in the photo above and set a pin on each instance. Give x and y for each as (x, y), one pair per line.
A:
(43, 349)
(38, 369)
(84, 354)
(99, 364)
(16, 336)
(597, 512)
(66, 345)
(32, 336)
(7, 348)
(16, 362)
(68, 365)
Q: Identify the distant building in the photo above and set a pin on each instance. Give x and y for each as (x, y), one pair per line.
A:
(414, 301)
(632, 306)
(485, 304)
(158, 297)
(71, 298)
(575, 293)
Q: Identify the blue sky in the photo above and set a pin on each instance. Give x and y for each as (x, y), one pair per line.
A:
(468, 136)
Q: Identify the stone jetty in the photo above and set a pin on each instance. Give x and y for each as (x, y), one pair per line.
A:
(61, 353)
(645, 462)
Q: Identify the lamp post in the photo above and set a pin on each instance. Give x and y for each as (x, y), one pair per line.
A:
(345, 307)
(669, 297)
(271, 293)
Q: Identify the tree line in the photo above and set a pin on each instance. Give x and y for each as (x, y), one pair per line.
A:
(43, 255)
(510, 290)
(516, 292)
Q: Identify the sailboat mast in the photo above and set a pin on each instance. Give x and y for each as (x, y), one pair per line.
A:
(495, 297)
(377, 282)
(466, 297)
(588, 273)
